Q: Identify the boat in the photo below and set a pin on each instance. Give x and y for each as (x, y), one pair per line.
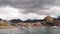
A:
(55, 27)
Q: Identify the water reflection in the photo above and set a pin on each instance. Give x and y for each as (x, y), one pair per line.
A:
(35, 30)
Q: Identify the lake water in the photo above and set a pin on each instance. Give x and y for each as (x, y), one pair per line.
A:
(34, 30)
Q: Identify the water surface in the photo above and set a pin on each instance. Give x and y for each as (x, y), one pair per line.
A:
(34, 30)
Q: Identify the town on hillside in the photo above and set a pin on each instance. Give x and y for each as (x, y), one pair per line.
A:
(47, 21)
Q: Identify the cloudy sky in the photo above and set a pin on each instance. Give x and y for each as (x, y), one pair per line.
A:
(28, 9)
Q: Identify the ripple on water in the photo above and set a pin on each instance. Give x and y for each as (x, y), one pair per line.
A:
(34, 30)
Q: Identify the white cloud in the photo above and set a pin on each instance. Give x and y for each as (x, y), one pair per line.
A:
(9, 12)
(14, 13)
(55, 11)
(52, 10)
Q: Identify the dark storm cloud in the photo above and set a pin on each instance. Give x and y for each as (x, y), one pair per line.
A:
(31, 6)
(26, 3)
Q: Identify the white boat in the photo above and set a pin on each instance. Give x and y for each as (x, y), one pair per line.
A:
(55, 27)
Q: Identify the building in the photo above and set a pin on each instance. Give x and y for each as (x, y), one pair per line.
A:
(49, 21)
(30, 24)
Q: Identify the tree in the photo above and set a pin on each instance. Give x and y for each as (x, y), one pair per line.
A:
(15, 20)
